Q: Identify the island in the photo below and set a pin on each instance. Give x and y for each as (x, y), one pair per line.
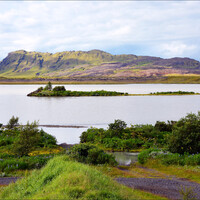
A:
(60, 91)
(49, 91)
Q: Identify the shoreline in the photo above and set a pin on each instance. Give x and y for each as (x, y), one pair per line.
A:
(56, 126)
(62, 126)
(132, 80)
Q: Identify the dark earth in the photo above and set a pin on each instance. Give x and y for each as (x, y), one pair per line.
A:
(169, 188)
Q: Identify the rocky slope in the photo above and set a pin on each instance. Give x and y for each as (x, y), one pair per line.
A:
(93, 65)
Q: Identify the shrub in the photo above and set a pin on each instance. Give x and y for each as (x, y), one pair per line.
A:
(46, 140)
(90, 154)
(27, 139)
(12, 122)
(146, 154)
(185, 135)
(59, 89)
(117, 127)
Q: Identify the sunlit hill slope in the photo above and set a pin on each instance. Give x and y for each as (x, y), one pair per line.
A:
(96, 65)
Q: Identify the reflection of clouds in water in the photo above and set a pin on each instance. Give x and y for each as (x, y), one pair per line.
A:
(124, 158)
(66, 135)
(98, 111)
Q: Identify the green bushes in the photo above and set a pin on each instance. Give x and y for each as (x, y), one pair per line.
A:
(10, 163)
(167, 158)
(122, 138)
(13, 122)
(27, 139)
(61, 91)
(172, 93)
(185, 135)
(147, 154)
(90, 154)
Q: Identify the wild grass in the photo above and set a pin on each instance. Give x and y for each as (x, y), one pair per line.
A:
(189, 172)
(62, 178)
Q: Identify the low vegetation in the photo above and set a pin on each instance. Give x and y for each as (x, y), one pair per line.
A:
(173, 93)
(180, 136)
(90, 154)
(25, 147)
(119, 137)
(62, 178)
(48, 91)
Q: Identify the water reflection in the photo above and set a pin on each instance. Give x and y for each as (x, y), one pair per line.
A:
(125, 158)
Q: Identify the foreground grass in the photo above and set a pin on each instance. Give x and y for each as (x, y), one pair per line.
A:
(65, 179)
(153, 169)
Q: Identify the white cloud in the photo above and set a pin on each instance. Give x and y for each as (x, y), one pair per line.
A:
(176, 48)
(83, 25)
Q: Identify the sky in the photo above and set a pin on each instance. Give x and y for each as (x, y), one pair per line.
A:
(155, 28)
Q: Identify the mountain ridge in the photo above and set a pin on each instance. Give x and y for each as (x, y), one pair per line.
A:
(94, 64)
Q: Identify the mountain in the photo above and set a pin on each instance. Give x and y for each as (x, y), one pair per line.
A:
(94, 65)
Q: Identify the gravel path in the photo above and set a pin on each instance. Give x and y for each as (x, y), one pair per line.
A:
(8, 180)
(164, 187)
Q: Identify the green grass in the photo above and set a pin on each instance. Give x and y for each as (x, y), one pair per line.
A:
(173, 93)
(65, 179)
(47, 93)
(189, 172)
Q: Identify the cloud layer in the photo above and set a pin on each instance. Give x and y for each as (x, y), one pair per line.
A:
(165, 29)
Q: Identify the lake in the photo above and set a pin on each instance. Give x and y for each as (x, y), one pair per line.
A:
(96, 111)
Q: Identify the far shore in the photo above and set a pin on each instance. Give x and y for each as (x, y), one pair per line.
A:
(57, 126)
(121, 80)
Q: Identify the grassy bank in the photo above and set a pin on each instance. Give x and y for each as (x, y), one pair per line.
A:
(176, 79)
(65, 179)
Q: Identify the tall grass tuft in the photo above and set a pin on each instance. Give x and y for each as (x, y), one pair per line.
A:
(62, 178)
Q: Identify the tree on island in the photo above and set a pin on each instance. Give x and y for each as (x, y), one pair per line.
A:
(48, 86)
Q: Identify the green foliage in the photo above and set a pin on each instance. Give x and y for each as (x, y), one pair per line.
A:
(167, 158)
(65, 179)
(185, 135)
(48, 86)
(187, 193)
(59, 89)
(30, 137)
(172, 93)
(122, 138)
(90, 154)
(46, 140)
(146, 154)
(117, 128)
(11, 163)
(13, 122)
(27, 139)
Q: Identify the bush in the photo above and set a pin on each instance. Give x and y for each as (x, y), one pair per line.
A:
(12, 122)
(185, 135)
(28, 138)
(59, 89)
(87, 153)
(117, 127)
(146, 154)
(46, 140)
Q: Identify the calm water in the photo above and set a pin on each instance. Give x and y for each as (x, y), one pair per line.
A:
(125, 158)
(96, 111)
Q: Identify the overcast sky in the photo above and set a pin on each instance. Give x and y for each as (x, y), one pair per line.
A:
(155, 28)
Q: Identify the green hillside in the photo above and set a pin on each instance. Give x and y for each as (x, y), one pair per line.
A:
(65, 179)
(94, 65)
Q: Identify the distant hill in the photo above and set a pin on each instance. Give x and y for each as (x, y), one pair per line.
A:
(94, 65)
